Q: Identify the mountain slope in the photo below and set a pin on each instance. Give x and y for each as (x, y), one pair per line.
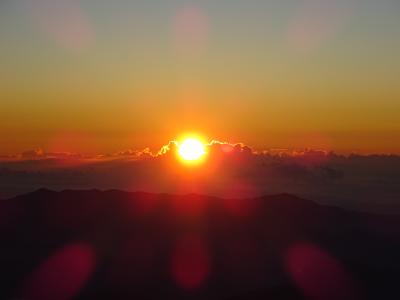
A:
(158, 246)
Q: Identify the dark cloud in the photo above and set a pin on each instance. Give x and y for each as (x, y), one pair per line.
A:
(231, 170)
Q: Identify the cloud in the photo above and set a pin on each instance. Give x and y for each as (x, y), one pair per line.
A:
(32, 154)
(214, 149)
(230, 170)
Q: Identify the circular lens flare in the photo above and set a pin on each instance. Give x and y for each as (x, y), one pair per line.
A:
(191, 149)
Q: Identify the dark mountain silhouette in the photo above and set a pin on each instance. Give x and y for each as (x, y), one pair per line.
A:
(118, 245)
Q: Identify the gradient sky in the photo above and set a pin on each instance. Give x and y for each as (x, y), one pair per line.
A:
(97, 76)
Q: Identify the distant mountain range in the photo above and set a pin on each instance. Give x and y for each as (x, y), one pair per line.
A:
(117, 245)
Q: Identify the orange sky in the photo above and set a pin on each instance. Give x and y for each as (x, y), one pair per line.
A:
(99, 78)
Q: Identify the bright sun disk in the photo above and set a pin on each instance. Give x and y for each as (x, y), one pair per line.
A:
(191, 149)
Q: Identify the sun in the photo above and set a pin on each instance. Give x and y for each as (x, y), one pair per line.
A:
(191, 150)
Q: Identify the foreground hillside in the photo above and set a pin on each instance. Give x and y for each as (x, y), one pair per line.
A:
(119, 245)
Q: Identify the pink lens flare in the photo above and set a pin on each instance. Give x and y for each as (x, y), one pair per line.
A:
(190, 262)
(191, 29)
(65, 22)
(319, 275)
(62, 275)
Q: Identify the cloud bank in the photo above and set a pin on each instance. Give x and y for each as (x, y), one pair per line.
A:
(230, 170)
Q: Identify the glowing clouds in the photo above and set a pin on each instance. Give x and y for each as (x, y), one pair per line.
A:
(190, 29)
(63, 21)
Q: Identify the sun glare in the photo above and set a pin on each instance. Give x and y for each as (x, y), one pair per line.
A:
(191, 150)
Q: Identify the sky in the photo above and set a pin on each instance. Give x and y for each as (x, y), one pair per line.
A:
(97, 76)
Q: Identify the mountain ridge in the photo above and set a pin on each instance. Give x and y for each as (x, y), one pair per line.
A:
(246, 244)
